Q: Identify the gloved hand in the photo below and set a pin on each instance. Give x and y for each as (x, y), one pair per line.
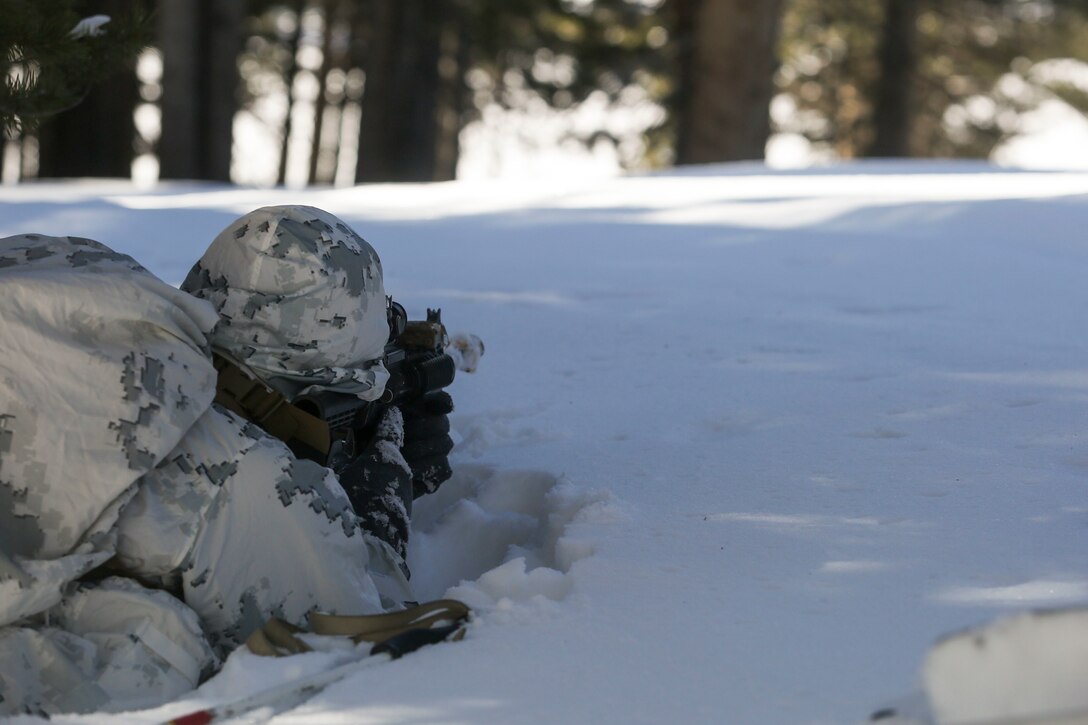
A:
(427, 442)
(379, 484)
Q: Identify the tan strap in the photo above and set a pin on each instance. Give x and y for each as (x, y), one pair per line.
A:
(380, 627)
(242, 393)
(278, 638)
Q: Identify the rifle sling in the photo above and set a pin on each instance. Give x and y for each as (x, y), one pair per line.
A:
(247, 396)
(278, 638)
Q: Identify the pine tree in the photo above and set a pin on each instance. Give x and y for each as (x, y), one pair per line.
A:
(924, 78)
(726, 78)
(51, 59)
(563, 52)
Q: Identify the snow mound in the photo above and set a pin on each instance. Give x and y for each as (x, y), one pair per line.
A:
(496, 539)
(496, 428)
(1031, 667)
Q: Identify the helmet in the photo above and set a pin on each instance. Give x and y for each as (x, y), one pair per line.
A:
(300, 299)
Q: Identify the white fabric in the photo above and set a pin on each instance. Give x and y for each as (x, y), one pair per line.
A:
(111, 646)
(110, 449)
(279, 536)
(103, 369)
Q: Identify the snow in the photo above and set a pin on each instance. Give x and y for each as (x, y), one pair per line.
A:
(1051, 136)
(1030, 667)
(1052, 133)
(744, 443)
(89, 27)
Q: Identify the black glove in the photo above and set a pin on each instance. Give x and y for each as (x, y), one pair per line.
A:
(379, 484)
(427, 442)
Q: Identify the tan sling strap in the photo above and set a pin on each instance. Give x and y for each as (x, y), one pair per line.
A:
(278, 638)
(242, 393)
(379, 627)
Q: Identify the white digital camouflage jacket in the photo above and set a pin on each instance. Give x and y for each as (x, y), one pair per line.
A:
(116, 467)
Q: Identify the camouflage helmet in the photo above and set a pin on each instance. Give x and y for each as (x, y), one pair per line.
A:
(300, 299)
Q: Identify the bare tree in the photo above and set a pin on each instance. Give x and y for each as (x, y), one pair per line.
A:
(411, 54)
(200, 42)
(95, 138)
(292, 42)
(894, 108)
(329, 13)
(728, 59)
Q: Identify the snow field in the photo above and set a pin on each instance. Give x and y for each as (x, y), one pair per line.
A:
(743, 444)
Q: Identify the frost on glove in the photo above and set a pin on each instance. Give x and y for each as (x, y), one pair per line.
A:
(379, 484)
(427, 442)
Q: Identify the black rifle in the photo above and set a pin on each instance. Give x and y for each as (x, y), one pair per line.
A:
(416, 359)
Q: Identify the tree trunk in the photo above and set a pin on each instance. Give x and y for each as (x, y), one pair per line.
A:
(321, 102)
(727, 79)
(451, 95)
(200, 41)
(96, 137)
(289, 83)
(399, 126)
(894, 108)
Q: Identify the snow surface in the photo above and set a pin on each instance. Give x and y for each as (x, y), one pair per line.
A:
(743, 444)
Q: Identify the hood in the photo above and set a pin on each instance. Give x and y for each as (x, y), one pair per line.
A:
(103, 369)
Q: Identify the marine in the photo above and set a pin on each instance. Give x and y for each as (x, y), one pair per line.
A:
(146, 530)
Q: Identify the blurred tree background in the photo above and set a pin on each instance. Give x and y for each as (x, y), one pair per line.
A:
(925, 78)
(344, 91)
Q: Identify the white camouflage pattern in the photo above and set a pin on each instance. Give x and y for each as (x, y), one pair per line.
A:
(113, 645)
(301, 299)
(103, 369)
(111, 453)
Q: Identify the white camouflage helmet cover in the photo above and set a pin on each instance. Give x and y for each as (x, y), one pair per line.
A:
(301, 301)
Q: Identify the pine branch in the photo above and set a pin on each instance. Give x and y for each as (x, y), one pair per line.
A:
(46, 70)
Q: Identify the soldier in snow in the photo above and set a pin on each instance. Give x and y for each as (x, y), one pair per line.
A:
(145, 531)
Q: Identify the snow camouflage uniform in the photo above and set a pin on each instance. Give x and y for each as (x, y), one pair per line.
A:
(125, 492)
(302, 307)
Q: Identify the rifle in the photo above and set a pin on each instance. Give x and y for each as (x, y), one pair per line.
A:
(418, 363)
(333, 428)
